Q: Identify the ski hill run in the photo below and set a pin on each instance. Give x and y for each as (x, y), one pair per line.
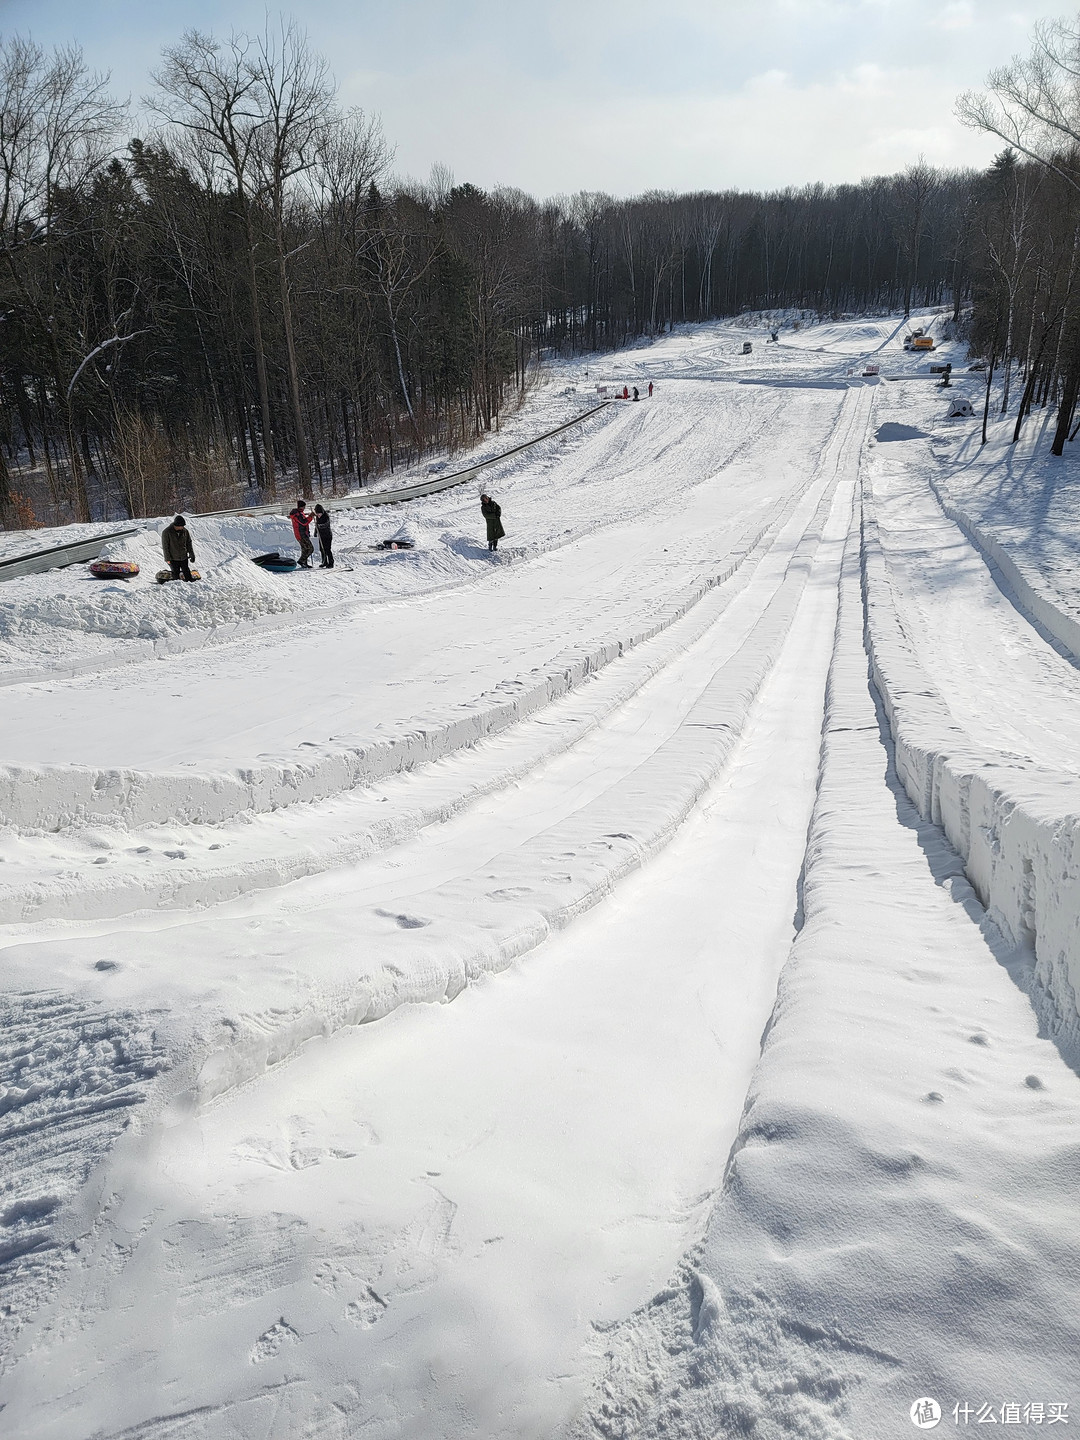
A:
(622, 986)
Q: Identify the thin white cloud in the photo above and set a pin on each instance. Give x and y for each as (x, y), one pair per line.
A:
(588, 94)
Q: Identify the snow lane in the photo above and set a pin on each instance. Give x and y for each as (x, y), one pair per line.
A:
(898, 1218)
(969, 637)
(561, 790)
(462, 1219)
(369, 1253)
(225, 706)
(645, 718)
(272, 976)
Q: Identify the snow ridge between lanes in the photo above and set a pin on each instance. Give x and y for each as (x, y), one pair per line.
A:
(1016, 826)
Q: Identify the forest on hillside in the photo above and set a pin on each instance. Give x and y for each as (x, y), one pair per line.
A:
(242, 301)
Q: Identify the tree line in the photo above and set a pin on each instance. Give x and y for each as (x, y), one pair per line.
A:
(1026, 232)
(242, 301)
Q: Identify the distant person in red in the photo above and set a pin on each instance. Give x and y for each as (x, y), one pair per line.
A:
(650, 389)
(625, 393)
(301, 525)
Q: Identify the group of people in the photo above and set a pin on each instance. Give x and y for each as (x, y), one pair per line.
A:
(302, 521)
(179, 551)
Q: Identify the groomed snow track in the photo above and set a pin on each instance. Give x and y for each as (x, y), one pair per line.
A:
(452, 1221)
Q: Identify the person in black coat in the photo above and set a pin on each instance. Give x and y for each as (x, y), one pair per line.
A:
(326, 538)
(492, 513)
(177, 548)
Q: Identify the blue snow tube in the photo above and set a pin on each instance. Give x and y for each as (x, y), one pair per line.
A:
(277, 564)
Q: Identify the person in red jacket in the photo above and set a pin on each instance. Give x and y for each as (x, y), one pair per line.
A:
(301, 524)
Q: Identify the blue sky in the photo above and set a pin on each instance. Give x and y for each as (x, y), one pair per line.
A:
(614, 95)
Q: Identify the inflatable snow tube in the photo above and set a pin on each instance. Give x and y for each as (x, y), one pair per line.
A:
(114, 569)
(164, 576)
(275, 562)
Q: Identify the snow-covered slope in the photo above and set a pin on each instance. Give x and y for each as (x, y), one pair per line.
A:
(704, 754)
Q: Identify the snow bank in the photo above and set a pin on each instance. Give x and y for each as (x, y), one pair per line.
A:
(1016, 826)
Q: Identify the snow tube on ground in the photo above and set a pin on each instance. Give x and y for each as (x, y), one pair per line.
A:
(114, 569)
(164, 576)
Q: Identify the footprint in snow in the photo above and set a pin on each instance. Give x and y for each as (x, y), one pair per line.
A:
(406, 922)
(271, 1341)
(368, 1310)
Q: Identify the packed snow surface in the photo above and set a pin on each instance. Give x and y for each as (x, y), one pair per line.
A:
(622, 986)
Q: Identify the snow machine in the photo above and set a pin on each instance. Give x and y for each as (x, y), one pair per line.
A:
(746, 347)
(961, 409)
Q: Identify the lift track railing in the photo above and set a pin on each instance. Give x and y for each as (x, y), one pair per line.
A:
(78, 551)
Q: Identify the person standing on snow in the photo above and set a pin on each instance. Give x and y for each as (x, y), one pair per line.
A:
(301, 524)
(635, 393)
(650, 389)
(326, 538)
(492, 513)
(177, 548)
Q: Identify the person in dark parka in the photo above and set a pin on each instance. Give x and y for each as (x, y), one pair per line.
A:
(326, 538)
(492, 513)
(177, 548)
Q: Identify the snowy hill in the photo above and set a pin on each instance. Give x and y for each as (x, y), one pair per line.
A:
(624, 986)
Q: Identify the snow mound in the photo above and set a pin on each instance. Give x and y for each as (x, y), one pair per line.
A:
(141, 609)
